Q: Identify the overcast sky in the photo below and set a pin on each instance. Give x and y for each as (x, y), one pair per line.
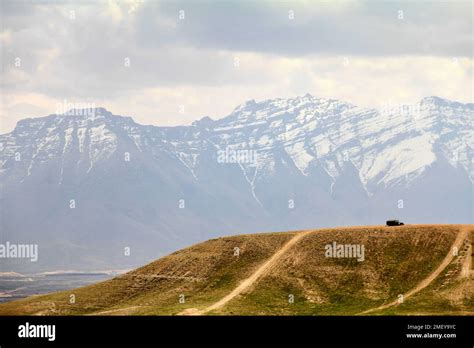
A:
(171, 62)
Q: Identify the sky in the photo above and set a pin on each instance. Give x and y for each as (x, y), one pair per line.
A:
(172, 62)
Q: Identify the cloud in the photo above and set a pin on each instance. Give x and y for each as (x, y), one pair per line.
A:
(401, 79)
(318, 27)
(139, 57)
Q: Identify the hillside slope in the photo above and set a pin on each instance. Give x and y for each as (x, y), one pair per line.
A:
(288, 274)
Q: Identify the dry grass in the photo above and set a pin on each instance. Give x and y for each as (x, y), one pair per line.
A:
(396, 259)
(203, 273)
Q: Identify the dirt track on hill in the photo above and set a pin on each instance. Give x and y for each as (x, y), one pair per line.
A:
(260, 271)
(247, 283)
(462, 235)
(119, 311)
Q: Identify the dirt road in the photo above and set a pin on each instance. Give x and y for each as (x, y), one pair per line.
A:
(244, 286)
(119, 311)
(247, 283)
(462, 235)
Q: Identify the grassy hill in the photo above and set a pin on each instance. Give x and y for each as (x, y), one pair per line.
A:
(268, 276)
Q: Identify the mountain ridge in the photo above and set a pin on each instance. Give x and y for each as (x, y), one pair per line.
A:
(277, 164)
(236, 115)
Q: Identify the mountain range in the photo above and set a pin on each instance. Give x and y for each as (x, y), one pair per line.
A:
(96, 190)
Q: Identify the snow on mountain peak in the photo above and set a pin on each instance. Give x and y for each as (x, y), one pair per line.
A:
(312, 131)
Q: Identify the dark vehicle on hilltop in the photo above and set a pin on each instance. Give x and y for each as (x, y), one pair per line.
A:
(394, 223)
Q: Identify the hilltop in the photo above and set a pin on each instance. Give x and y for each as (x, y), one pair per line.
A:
(289, 273)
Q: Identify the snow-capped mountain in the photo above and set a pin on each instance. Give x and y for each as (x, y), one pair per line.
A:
(88, 185)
